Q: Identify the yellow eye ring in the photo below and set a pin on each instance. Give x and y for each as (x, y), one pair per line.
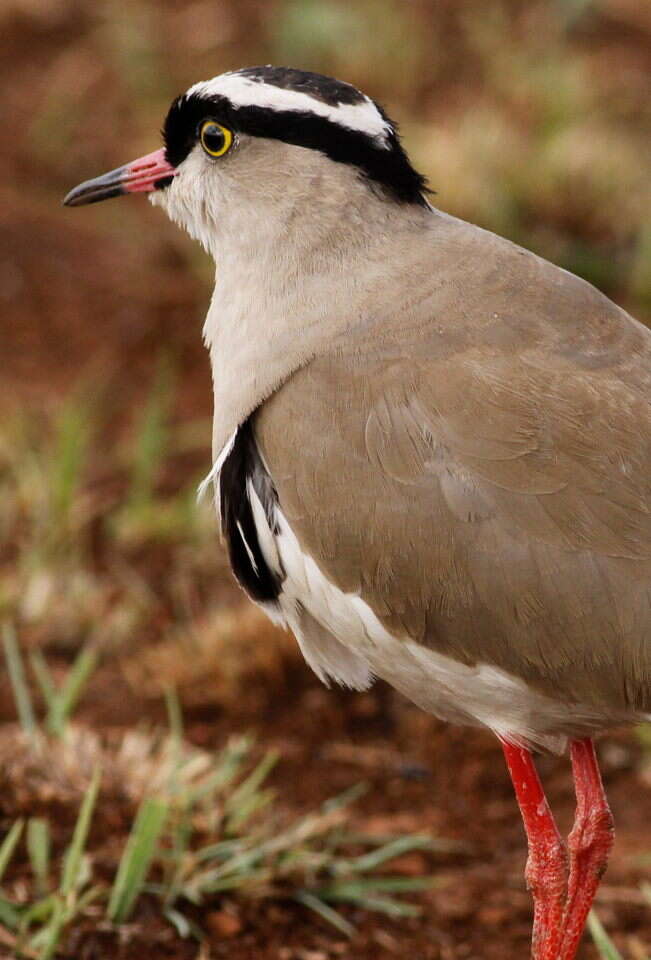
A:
(215, 139)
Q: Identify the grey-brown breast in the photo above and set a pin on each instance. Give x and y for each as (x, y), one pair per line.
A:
(478, 469)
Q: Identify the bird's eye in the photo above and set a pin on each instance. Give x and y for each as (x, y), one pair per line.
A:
(215, 139)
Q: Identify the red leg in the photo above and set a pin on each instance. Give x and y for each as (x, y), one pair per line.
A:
(589, 842)
(546, 871)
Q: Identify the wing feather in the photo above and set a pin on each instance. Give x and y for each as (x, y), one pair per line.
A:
(484, 485)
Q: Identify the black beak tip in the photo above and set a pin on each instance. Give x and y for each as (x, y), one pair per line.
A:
(92, 191)
(79, 195)
(70, 199)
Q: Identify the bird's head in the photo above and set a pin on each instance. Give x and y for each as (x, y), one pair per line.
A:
(252, 152)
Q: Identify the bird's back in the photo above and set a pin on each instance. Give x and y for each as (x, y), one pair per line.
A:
(475, 464)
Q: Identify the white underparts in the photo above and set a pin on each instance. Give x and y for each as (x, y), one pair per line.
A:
(343, 640)
(245, 91)
(352, 646)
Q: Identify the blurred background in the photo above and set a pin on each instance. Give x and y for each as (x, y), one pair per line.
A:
(120, 618)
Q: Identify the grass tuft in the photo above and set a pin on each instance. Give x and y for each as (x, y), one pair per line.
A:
(59, 700)
(207, 823)
(40, 923)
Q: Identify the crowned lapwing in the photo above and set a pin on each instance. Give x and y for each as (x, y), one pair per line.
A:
(432, 448)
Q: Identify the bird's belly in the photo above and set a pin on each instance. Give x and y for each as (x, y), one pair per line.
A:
(343, 639)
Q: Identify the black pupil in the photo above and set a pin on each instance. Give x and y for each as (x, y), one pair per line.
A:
(213, 138)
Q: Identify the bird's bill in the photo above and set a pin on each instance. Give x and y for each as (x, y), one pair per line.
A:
(140, 176)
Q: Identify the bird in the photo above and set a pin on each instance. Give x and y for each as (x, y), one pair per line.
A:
(431, 447)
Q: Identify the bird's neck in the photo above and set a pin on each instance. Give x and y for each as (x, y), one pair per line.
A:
(283, 296)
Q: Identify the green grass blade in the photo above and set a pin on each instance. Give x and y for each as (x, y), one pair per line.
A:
(179, 837)
(38, 849)
(38, 912)
(388, 906)
(254, 781)
(247, 808)
(20, 690)
(234, 871)
(152, 436)
(345, 798)
(8, 846)
(362, 895)
(66, 699)
(9, 916)
(221, 850)
(183, 925)
(223, 775)
(72, 864)
(605, 946)
(51, 934)
(228, 764)
(388, 851)
(249, 880)
(43, 677)
(175, 720)
(360, 888)
(326, 912)
(73, 433)
(180, 923)
(246, 798)
(136, 859)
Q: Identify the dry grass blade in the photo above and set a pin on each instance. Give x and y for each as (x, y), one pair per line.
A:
(325, 911)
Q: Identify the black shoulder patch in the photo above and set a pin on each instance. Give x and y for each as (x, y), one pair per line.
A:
(238, 525)
(327, 89)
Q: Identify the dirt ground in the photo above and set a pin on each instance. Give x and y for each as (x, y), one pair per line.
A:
(422, 776)
(96, 296)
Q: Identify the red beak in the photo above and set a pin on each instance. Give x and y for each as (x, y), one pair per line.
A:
(140, 176)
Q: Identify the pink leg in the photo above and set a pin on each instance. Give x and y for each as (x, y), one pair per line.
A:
(546, 871)
(589, 842)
